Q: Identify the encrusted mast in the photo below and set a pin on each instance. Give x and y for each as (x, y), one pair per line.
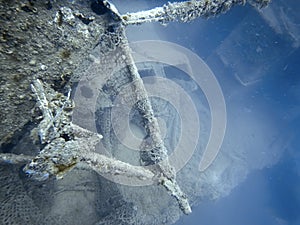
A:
(67, 145)
(187, 11)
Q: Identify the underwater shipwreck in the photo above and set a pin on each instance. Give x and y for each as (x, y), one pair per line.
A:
(71, 92)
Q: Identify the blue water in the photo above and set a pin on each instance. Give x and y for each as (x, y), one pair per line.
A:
(269, 196)
(260, 80)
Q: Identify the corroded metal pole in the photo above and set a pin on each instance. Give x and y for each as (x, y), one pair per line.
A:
(186, 11)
